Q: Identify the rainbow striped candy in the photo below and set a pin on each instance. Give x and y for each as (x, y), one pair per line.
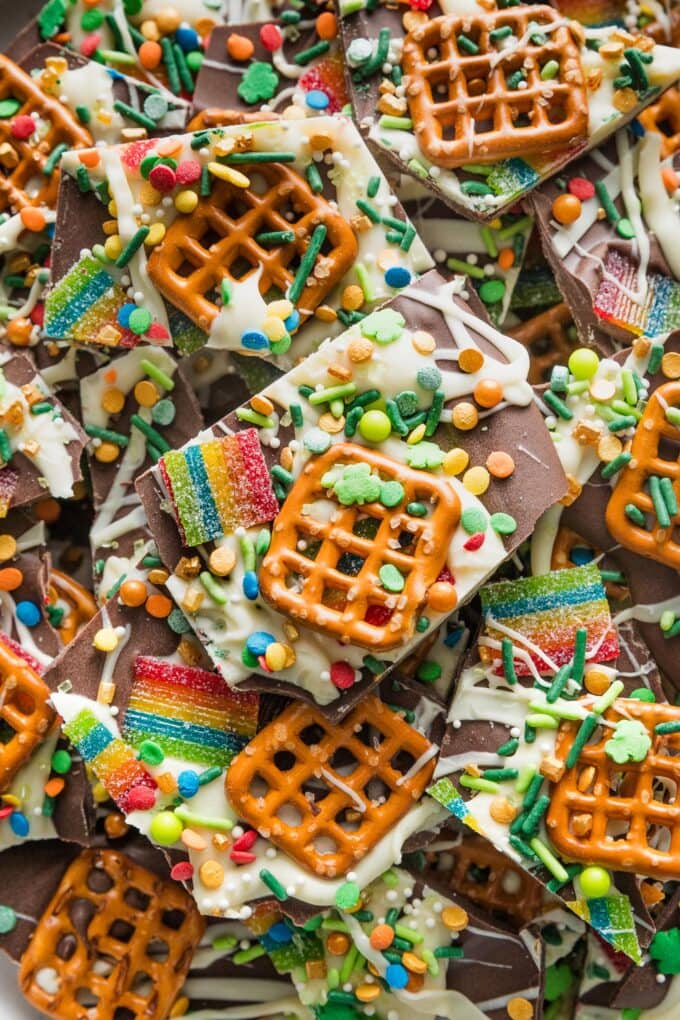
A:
(660, 312)
(189, 712)
(612, 918)
(546, 612)
(84, 305)
(218, 486)
(113, 762)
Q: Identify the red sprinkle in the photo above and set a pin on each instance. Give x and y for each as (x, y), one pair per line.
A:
(580, 187)
(188, 172)
(446, 575)
(246, 841)
(5, 812)
(140, 798)
(241, 857)
(182, 872)
(342, 675)
(474, 542)
(378, 616)
(90, 43)
(163, 177)
(270, 37)
(38, 314)
(157, 331)
(23, 126)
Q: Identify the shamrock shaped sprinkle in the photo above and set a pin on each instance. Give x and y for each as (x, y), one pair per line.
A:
(357, 485)
(383, 326)
(259, 83)
(665, 950)
(630, 742)
(426, 456)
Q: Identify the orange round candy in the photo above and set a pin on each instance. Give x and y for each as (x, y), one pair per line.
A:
(239, 47)
(442, 597)
(32, 219)
(146, 393)
(11, 578)
(566, 208)
(488, 393)
(107, 453)
(47, 510)
(500, 464)
(337, 943)
(506, 259)
(382, 937)
(150, 54)
(158, 606)
(19, 331)
(327, 25)
(132, 593)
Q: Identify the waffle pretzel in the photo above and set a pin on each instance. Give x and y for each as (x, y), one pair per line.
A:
(115, 940)
(218, 242)
(215, 116)
(338, 590)
(654, 541)
(547, 337)
(326, 793)
(461, 104)
(629, 814)
(565, 542)
(81, 604)
(25, 715)
(663, 118)
(22, 162)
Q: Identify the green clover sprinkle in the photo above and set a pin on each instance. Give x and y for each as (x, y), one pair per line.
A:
(390, 578)
(384, 326)
(357, 485)
(51, 18)
(665, 951)
(407, 402)
(425, 456)
(630, 742)
(391, 493)
(259, 83)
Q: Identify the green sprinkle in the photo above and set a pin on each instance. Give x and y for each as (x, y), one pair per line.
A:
(509, 748)
(368, 210)
(660, 508)
(500, 775)
(627, 421)
(254, 418)
(548, 859)
(539, 721)
(133, 245)
(391, 578)
(416, 509)
(275, 237)
(525, 777)
(431, 961)
(53, 158)
(476, 783)
(559, 683)
(157, 374)
(579, 661)
(224, 942)
(667, 727)
(473, 520)
(522, 848)
(448, 952)
(518, 227)
(332, 393)
(585, 732)
(655, 357)
(247, 955)
(550, 70)
(206, 182)
(502, 523)
(171, 65)
(466, 44)
(606, 202)
(461, 266)
(668, 495)
(306, 56)
(373, 186)
(307, 261)
(41, 407)
(150, 432)
(209, 775)
(296, 415)
(136, 116)
(607, 699)
(559, 710)
(414, 937)
(614, 466)
(373, 664)
(107, 435)
(635, 515)
(273, 885)
(83, 179)
(203, 821)
(215, 590)
(487, 237)
(533, 818)
(475, 188)
(508, 660)
(498, 34)
(558, 406)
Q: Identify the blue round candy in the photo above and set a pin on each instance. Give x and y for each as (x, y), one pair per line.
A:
(293, 321)
(254, 340)
(19, 824)
(397, 276)
(124, 315)
(187, 783)
(581, 556)
(187, 38)
(258, 642)
(396, 976)
(251, 586)
(280, 933)
(316, 99)
(28, 613)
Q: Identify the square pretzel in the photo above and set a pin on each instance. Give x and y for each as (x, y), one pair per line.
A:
(663, 118)
(218, 241)
(655, 437)
(629, 815)
(325, 573)
(459, 86)
(326, 793)
(22, 162)
(115, 940)
(25, 716)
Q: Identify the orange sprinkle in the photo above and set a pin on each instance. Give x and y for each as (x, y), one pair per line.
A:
(110, 376)
(158, 606)
(11, 578)
(670, 179)
(150, 54)
(470, 360)
(169, 147)
(47, 510)
(382, 936)
(506, 259)
(89, 158)
(19, 332)
(132, 593)
(32, 219)
(239, 47)
(500, 464)
(327, 26)
(53, 787)
(146, 393)
(488, 393)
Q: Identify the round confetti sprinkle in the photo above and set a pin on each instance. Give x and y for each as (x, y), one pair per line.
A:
(258, 641)
(183, 871)
(465, 416)
(375, 426)
(581, 188)
(270, 37)
(503, 524)
(8, 920)
(476, 480)
(23, 126)
(488, 393)
(177, 622)
(500, 464)
(29, 613)
(165, 828)
(348, 896)
(11, 578)
(492, 291)
(316, 99)
(397, 277)
(132, 593)
(61, 762)
(473, 519)
(156, 106)
(396, 976)
(151, 752)
(566, 208)
(163, 412)
(316, 440)
(429, 378)
(188, 784)
(139, 321)
(391, 578)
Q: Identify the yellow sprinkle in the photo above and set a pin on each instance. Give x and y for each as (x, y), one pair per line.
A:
(106, 640)
(155, 235)
(11, 799)
(106, 692)
(476, 480)
(330, 424)
(180, 1008)
(148, 194)
(275, 656)
(166, 782)
(455, 461)
(282, 308)
(455, 918)
(110, 227)
(211, 874)
(262, 405)
(8, 547)
(228, 173)
(417, 434)
(186, 201)
(496, 224)
(367, 993)
(414, 963)
(99, 793)
(113, 246)
(112, 208)
(273, 328)
(104, 117)
(360, 349)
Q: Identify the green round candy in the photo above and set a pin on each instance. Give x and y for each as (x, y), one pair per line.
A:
(177, 622)
(155, 106)
(166, 828)
(503, 524)
(473, 520)
(595, 882)
(429, 671)
(194, 60)
(492, 291)
(391, 493)
(624, 228)
(8, 920)
(163, 412)
(417, 509)
(132, 7)
(422, 624)
(642, 694)
(147, 165)
(316, 441)
(91, 20)
(139, 321)
(348, 896)
(8, 107)
(375, 426)
(391, 578)
(583, 363)
(280, 346)
(61, 762)
(429, 378)
(151, 752)
(248, 659)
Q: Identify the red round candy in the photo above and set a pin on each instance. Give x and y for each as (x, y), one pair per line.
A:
(188, 172)
(163, 177)
(140, 798)
(342, 675)
(23, 126)
(581, 188)
(156, 332)
(474, 542)
(182, 872)
(270, 37)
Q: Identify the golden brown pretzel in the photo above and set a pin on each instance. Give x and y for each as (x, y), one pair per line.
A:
(663, 118)
(462, 106)
(110, 923)
(287, 784)
(81, 603)
(23, 710)
(316, 591)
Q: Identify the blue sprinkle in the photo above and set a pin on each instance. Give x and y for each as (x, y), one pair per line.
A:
(124, 315)
(452, 639)
(397, 277)
(637, 128)
(396, 976)
(187, 38)
(188, 784)
(19, 824)
(581, 556)
(251, 587)
(280, 933)
(28, 613)
(258, 642)
(316, 99)
(254, 340)
(293, 321)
